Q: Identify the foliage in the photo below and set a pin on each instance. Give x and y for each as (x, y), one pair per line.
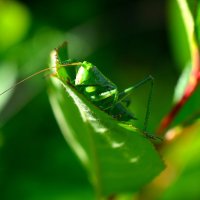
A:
(127, 41)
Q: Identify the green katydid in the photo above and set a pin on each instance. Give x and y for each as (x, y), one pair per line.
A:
(97, 88)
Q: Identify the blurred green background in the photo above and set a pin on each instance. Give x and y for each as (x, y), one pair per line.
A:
(127, 40)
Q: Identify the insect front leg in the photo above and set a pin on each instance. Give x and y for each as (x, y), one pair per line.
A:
(100, 96)
(123, 95)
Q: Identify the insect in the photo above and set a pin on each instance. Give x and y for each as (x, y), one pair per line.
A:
(96, 87)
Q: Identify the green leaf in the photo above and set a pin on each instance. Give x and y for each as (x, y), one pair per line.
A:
(186, 26)
(118, 157)
(194, 7)
(184, 16)
(188, 19)
(179, 34)
(184, 164)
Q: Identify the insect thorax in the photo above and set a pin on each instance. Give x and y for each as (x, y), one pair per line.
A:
(94, 85)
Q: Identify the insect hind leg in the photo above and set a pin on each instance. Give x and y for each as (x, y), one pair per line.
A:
(127, 92)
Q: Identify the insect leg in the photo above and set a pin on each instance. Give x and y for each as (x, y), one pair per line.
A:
(123, 95)
(102, 95)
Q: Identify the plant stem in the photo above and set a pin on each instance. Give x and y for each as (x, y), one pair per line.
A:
(189, 90)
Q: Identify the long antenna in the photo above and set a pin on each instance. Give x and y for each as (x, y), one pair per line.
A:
(27, 78)
(37, 73)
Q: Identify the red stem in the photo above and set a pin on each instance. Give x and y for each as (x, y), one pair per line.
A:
(189, 90)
